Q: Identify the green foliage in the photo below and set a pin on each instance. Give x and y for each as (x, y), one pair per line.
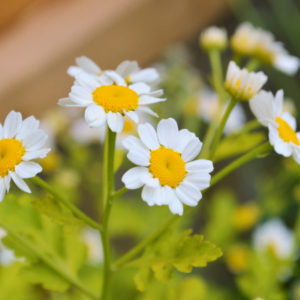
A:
(238, 143)
(57, 213)
(49, 239)
(182, 252)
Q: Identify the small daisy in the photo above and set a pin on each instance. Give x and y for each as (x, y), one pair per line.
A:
(275, 236)
(213, 38)
(241, 84)
(166, 169)
(128, 70)
(282, 125)
(209, 104)
(110, 101)
(20, 141)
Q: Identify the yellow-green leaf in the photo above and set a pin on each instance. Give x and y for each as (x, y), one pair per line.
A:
(119, 155)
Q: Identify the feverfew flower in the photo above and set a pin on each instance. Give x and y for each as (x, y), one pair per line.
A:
(20, 141)
(213, 38)
(165, 166)
(241, 84)
(209, 105)
(109, 100)
(275, 236)
(128, 70)
(282, 125)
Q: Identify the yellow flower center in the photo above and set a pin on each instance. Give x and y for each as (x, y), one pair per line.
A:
(168, 166)
(129, 125)
(286, 132)
(116, 98)
(11, 152)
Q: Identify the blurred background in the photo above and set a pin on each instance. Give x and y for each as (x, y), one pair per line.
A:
(39, 40)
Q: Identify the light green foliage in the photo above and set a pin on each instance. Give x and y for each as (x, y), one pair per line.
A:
(119, 156)
(182, 252)
(65, 250)
(238, 143)
(57, 213)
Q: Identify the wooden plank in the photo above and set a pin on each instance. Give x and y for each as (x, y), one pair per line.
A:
(139, 30)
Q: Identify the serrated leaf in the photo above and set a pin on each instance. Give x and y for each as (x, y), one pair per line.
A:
(119, 155)
(58, 214)
(182, 252)
(238, 143)
(65, 250)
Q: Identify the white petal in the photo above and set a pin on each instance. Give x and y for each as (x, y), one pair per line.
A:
(183, 138)
(147, 110)
(20, 183)
(296, 155)
(35, 154)
(188, 194)
(7, 179)
(148, 75)
(28, 126)
(79, 95)
(126, 68)
(132, 115)
(200, 165)
(115, 121)
(199, 179)
(140, 88)
(88, 82)
(35, 140)
(147, 195)
(74, 71)
(273, 135)
(135, 143)
(147, 99)
(162, 195)
(88, 65)
(286, 116)
(149, 180)
(2, 189)
(132, 177)
(191, 150)
(12, 124)
(283, 148)
(116, 78)
(287, 64)
(95, 115)
(167, 132)
(68, 102)
(139, 158)
(176, 206)
(1, 132)
(148, 136)
(28, 169)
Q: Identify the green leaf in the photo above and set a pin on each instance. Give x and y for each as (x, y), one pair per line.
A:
(48, 238)
(119, 155)
(143, 279)
(182, 252)
(238, 143)
(57, 213)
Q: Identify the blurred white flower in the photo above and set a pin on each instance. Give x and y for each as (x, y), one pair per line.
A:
(165, 167)
(209, 105)
(275, 236)
(282, 125)
(241, 84)
(213, 38)
(92, 239)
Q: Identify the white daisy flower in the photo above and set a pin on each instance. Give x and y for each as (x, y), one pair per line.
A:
(20, 142)
(275, 236)
(245, 39)
(165, 166)
(213, 38)
(282, 125)
(241, 84)
(128, 70)
(110, 101)
(209, 105)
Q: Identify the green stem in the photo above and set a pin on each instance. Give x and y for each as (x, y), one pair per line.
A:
(60, 270)
(229, 109)
(119, 193)
(253, 64)
(264, 148)
(77, 212)
(217, 72)
(108, 191)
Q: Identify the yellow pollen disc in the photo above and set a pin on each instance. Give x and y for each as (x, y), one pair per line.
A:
(116, 98)
(11, 152)
(168, 166)
(286, 132)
